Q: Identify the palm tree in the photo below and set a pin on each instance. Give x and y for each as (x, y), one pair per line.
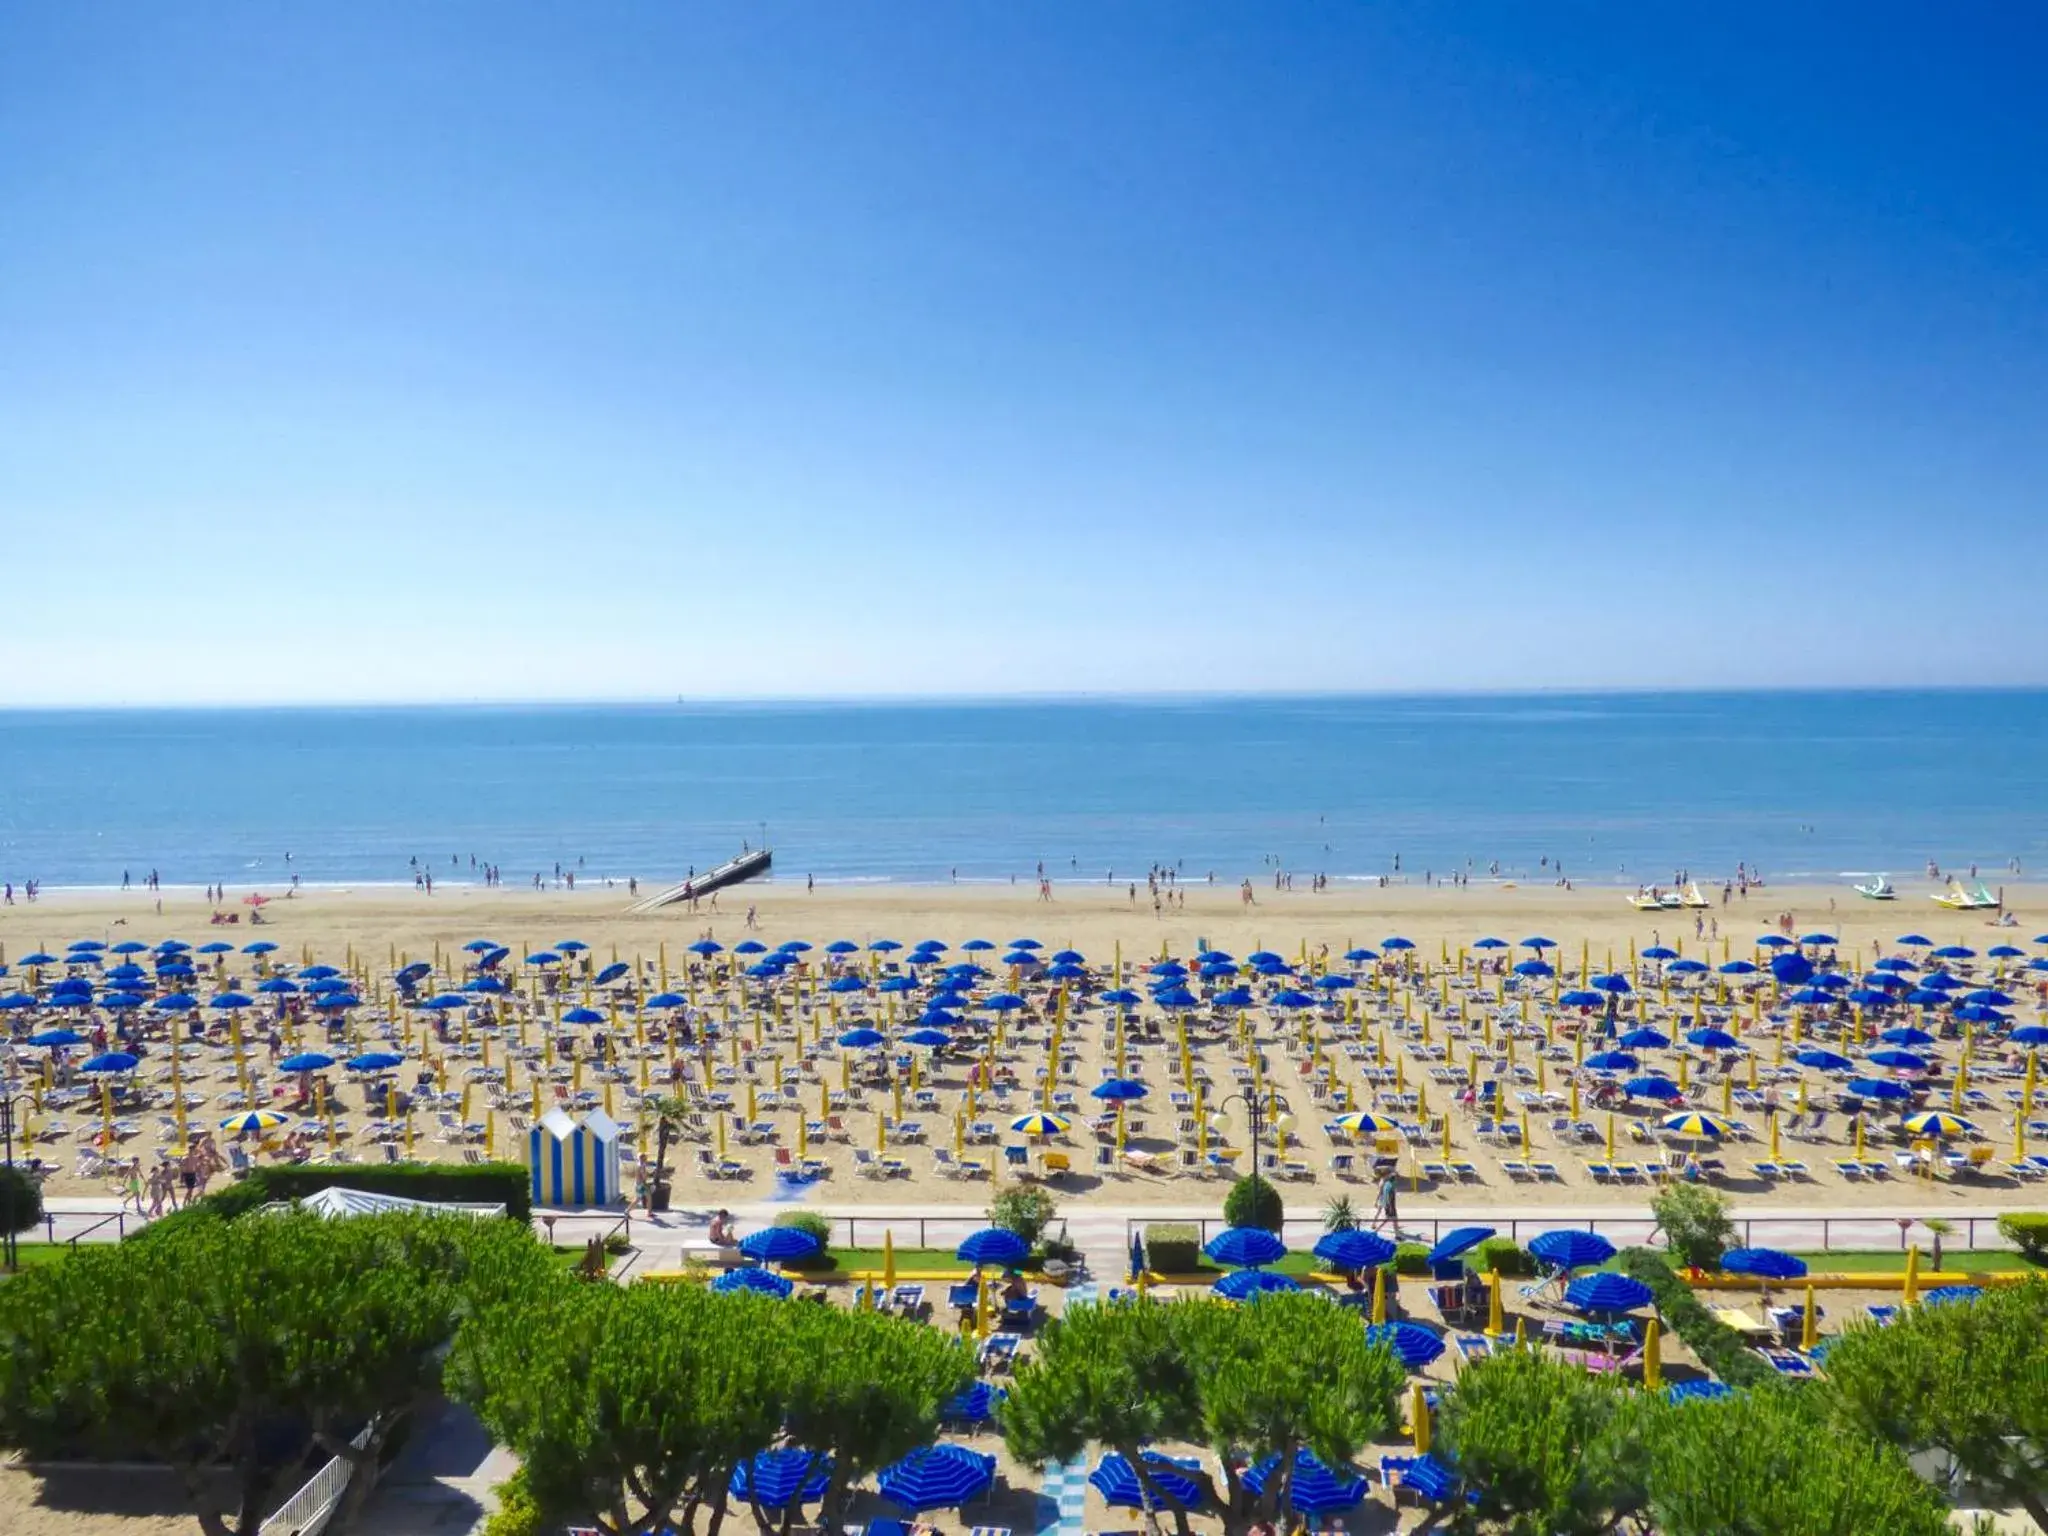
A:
(671, 1111)
(1937, 1229)
(1340, 1215)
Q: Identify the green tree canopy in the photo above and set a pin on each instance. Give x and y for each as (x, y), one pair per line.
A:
(242, 1345)
(1285, 1374)
(1768, 1463)
(632, 1408)
(1550, 1449)
(1695, 1221)
(1969, 1379)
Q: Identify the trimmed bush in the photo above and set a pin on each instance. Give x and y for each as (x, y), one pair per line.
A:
(465, 1184)
(1718, 1347)
(1173, 1248)
(21, 1200)
(1507, 1258)
(1411, 1259)
(2028, 1232)
(1254, 1202)
(819, 1227)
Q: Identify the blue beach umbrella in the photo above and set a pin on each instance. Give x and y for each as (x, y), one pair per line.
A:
(1396, 942)
(779, 1245)
(1712, 1039)
(49, 1037)
(1660, 1088)
(375, 1061)
(582, 1016)
(1818, 939)
(1645, 1039)
(277, 986)
(1824, 1061)
(861, 1038)
(1313, 1488)
(1489, 942)
(752, 1277)
(1899, 1061)
(1354, 1249)
(1245, 1284)
(111, 1062)
(1879, 1089)
(1456, 1243)
(1906, 1034)
(1244, 1245)
(1232, 997)
(928, 1037)
(1613, 982)
(1173, 1480)
(2030, 1034)
(1764, 1263)
(1606, 1292)
(1569, 1248)
(940, 1477)
(231, 1000)
(1413, 1345)
(974, 1405)
(1737, 968)
(779, 1478)
(1117, 1090)
(306, 1061)
(1699, 1389)
(993, 1245)
(1581, 997)
(1612, 1061)
(1955, 952)
(1534, 968)
(1660, 952)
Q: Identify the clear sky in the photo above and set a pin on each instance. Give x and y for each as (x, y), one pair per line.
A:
(393, 351)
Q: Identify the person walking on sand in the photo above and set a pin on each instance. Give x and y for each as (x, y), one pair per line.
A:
(1385, 1205)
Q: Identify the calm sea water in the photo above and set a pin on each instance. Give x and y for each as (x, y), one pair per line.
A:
(1617, 788)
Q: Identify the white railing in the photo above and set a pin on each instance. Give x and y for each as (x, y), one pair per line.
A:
(307, 1512)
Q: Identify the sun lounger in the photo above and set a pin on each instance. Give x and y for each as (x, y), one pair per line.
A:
(1429, 1480)
(1788, 1363)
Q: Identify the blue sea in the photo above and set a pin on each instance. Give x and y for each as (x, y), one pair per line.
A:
(1616, 788)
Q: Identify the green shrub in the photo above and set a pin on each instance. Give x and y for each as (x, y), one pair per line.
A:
(1254, 1202)
(1717, 1346)
(465, 1184)
(21, 1200)
(616, 1243)
(1024, 1210)
(1411, 1259)
(2028, 1232)
(1695, 1222)
(1506, 1257)
(517, 1514)
(819, 1227)
(1173, 1248)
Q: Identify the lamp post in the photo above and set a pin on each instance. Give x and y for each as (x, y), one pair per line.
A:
(8, 1252)
(1255, 1114)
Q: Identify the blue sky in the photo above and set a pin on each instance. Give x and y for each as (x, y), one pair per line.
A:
(494, 349)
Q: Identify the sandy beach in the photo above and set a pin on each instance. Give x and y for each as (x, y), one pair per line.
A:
(1367, 1049)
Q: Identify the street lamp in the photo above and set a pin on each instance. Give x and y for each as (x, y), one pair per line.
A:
(8, 1252)
(1256, 1114)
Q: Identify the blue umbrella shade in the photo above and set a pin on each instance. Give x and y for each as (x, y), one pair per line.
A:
(111, 1061)
(1712, 1039)
(57, 1037)
(779, 1245)
(1354, 1249)
(1116, 1089)
(993, 1245)
(1569, 1248)
(1580, 997)
(777, 1479)
(1174, 1481)
(1244, 1284)
(752, 1277)
(1824, 1061)
(1612, 1061)
(1877, 1088)
(1645, 1039)
(976, 1405)
(940, 1477)
(1244, 1245)
(862, 1038)
(1948, 1295)
(928, 1037)
(306, 1061)
(1606, 1292)
(1699, 1389)
(1314, 1489)
(1456, 1243)
(1413, 1345)
(1764, 1263)
(375, 1061)
(1652, 1088)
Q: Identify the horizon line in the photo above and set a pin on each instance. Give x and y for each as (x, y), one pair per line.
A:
(1021, 697)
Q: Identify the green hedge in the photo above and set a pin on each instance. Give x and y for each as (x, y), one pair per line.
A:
(1507, 1257)
(1718, 1347)
(2028, 1232)
(1173, 1248)
(820, 1227)
(1255, 1202)
(1411, 1259)
(503, 1184)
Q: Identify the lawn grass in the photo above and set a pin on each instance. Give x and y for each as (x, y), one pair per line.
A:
(1988, 1261)
(924, 1260)
(34, 1255)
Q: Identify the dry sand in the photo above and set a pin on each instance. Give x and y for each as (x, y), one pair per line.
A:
(372, 927)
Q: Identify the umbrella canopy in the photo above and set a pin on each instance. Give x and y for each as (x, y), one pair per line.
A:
(1354, 1249)
(1764, 1263)
(1652, 1088)
(779, 1245)
(1878, 1088)
(1313, 1489)
(1712, 1039)
(974, 1405)
(1694, 1123)
(1038, 1123)
(1937, 1122)
(1906, 1034)
(1456, 1243)
(1363, 1122)
(1948, 1295)
(1899, 1061)
(255, 1120)
(1613, 982)
(1118, 1089)
(1612, 1061)
(993, 1245)
(1413, 1345)
(1699, 1389)
(1580, 997)
(1645, 1039)
(375, 1061)
(928, 1036)
(1245, 1284)
(939, 1477)
(1824, 1061)
(1606, 1292)
(111, 1061)
(752, 1277)
(1174, 1479)
(1569, 1248)
(306, 1061)
(1660, 952)
(860, 1038)
(56, 1037)
(1534, 968)
(1244, 1245)
(2030, 1034)
(777, 1479)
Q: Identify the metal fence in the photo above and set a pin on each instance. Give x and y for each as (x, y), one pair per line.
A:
(1805, 1234)
(307, 1512)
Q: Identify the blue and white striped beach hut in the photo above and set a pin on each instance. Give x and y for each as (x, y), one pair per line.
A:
(574, 1163)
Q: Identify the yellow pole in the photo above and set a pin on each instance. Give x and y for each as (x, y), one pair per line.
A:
(1910, 1292)
(1379, 1295)
(888, 1259)
(1494, 1327)
(1653, 1364)
(1418, 1418)
(1809, 1323)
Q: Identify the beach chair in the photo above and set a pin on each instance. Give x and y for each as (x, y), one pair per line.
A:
(1788, 1363)
(1544, 1171)
(867, 1164)
(1848, 1168)
(1603, 1173)
(1472, 1346)
(1628, 1173)
(1518, 1171)
(1343, 1165)
(1768, 1172)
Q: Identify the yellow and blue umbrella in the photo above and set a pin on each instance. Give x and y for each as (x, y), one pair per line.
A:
(1037, 1124)
(255, 1120)
(1364, 1122)
(1938, 1122)
(1695, 1123)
